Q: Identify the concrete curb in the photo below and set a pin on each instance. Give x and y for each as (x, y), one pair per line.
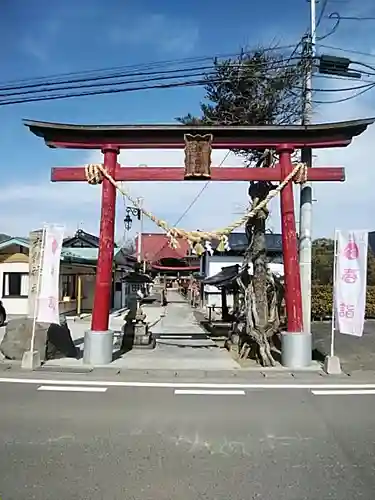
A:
(215, 376)
(256, 372)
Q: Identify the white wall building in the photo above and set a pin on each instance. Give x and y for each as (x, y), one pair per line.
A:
(14, 276)
(213, 264)
(77, 277)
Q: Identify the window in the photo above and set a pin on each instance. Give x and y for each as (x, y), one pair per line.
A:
(15, 285)
(68, 286)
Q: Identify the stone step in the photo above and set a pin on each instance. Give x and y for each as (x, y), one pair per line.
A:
(186, 342)
(178, 335)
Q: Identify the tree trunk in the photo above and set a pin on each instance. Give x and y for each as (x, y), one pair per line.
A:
(259, 320)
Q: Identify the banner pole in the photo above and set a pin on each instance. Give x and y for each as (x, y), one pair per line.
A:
(333, 317)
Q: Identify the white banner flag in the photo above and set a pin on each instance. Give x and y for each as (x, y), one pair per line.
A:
(48, 297)
(351, 281)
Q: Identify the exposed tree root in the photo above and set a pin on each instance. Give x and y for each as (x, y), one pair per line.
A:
(258, 314)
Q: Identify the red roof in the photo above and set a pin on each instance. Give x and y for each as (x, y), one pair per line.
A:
(177, 268)
(155, 246)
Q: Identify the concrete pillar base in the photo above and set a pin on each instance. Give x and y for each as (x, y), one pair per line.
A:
(31, 360)
(332, 365)
(296, 350)
(98, 348)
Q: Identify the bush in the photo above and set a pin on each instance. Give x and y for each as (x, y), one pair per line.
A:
(321, 302)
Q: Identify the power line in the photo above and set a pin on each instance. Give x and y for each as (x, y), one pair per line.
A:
(357, 18)
(193, 83)
(203, 79)
(105, 71)
(346, 89)
(357, 63)
(84, 83)
(120, 74)
(350, 51)
(158, 76)
(338, 18)
(344, 99)
(342, 78)
(194, 76)
(38, 81)
(321, 14)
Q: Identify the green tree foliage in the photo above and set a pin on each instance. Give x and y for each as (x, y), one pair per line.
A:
(260, 88)
(322, 263)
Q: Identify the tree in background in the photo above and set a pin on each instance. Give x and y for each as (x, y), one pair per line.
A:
(322, 263)
(262, 87)
(322, 280)
(129, 247)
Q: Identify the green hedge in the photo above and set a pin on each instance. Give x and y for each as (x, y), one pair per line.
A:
(321, 304)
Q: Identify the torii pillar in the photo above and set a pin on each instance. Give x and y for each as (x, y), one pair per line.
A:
(111, 139)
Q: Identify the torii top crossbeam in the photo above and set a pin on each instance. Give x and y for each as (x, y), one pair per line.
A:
(110, 139)
(172, 136)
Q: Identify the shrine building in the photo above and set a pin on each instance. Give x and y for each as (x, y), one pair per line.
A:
(165, 261)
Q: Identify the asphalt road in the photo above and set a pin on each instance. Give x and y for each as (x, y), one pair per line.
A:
(155, 444)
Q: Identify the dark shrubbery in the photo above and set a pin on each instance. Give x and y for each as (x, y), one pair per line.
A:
(321, 306)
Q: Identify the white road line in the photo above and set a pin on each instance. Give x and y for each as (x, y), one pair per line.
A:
(180, 385)
(197, 392)
(71, 388)
(350, 392)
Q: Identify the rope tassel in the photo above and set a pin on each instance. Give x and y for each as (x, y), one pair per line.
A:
(223, 245)
(199, 249)
(94, 174)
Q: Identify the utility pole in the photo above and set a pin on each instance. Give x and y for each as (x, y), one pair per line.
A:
(305, 225)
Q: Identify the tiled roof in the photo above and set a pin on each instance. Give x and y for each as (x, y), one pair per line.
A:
(4, 237)
(24, 242)
(155, 246)
(87, 239)
(89, 254)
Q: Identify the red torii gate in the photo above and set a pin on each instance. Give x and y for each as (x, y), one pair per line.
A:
(111, 139)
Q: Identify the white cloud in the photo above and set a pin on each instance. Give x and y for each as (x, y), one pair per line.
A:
(168, 35)
(34, 48)
(38, 39)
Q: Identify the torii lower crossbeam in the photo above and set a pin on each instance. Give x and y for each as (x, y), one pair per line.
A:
(176, 174)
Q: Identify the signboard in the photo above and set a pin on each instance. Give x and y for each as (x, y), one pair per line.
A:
(36, 242)
(48, 296)
(350, 281)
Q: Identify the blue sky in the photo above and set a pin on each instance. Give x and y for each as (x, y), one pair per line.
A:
(47, 37)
